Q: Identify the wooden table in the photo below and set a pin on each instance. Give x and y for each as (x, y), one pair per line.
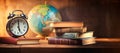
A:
(100, 43)
(106, 45)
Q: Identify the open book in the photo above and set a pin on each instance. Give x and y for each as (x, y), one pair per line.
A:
(87, 38)
(87, 34)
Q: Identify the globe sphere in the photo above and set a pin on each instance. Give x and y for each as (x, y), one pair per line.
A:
(41, 16)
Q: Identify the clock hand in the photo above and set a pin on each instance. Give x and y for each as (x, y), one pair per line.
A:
(19, 26)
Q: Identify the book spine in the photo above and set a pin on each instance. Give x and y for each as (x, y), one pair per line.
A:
(68, 24)
(8, 40)
(63, 41)
(68, 30)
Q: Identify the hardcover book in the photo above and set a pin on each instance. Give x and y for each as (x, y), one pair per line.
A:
(10, 40)
(75, 41)
(69, 35)
(28, 41)
(64, 41)
(69, 30)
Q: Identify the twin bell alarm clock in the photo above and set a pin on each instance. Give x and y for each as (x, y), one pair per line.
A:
(17, 24)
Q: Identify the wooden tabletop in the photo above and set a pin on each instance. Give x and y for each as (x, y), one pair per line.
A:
(100, 43)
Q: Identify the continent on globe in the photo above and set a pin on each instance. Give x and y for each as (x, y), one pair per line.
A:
(43, 10)
(41, 16)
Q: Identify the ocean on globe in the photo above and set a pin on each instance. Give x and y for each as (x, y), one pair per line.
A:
(41, 16)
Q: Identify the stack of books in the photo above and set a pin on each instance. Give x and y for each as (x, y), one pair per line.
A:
(66, 35)
(71, 33)
(71, 39)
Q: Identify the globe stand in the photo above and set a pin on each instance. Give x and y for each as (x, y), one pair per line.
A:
(41, 37)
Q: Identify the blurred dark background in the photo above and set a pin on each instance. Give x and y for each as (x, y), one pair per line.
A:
(100, 16)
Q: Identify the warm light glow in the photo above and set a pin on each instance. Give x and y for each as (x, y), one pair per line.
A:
(7, 6)
(108, 39)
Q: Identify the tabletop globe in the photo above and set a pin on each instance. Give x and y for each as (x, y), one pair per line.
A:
(41, 16)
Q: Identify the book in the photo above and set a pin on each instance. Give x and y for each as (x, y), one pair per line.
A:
(88, 41)
(67, 24)
(74, 41)
(68, 35)
(28, 41)
(69, 30)
(64, 41)
(87, 38)
(10, 40)
(87, 34)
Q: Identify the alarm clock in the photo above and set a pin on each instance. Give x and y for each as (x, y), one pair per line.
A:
(17, 25)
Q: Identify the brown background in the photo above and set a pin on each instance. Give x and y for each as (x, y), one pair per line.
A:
(101, 16)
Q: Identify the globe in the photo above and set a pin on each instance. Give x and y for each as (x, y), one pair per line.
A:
(41, 16)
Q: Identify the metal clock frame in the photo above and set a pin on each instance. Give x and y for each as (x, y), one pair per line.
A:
(8, 27)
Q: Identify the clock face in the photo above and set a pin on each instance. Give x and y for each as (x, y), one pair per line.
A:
(17, 26)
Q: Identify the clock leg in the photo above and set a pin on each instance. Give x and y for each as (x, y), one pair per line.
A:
(24, 37)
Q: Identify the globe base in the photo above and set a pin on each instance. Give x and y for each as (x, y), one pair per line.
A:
(41, 37)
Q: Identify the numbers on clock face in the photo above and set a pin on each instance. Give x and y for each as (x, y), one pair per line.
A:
(18, 26)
